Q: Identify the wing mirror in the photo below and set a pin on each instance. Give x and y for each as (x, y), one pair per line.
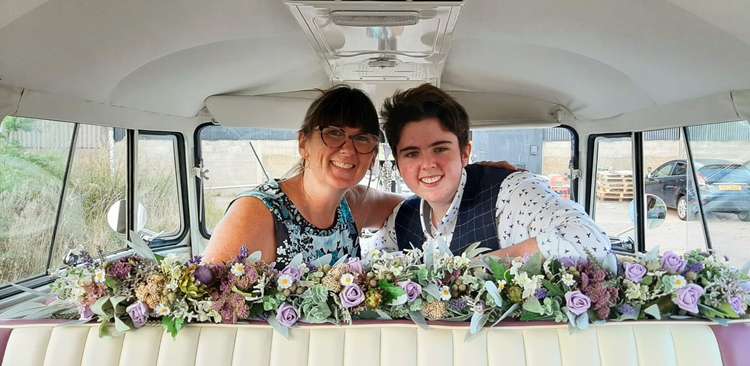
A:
(656, 211)
(117, 217)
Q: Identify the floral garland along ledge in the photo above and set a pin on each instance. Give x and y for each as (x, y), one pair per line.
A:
(419, 285)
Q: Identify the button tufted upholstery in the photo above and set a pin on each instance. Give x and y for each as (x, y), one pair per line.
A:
(391, 343)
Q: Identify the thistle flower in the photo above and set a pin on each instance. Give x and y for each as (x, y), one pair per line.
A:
(435, 310)
(458, 304)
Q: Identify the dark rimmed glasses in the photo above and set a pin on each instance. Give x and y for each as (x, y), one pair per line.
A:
(364, 143)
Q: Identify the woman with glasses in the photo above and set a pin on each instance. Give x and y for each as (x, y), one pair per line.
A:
(321, 209)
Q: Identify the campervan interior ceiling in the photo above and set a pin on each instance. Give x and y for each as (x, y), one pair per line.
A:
(189, 71)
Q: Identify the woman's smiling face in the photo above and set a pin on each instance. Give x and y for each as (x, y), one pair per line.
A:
(430, 160)
(339, 167)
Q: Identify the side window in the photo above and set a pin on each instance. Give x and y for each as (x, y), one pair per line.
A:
(240, 159)
(33, 156)
(97, 179)
(612, 190)
(158, 186)
(544, 151)
(663, 171)
(721, 155)
(671, 220)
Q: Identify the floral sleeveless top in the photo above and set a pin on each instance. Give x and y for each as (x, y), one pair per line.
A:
(294, 234)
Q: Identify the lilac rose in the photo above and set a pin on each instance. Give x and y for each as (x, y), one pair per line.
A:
(351, 296)
(138, 312)
(672, 262)
(413, 290)
(355, 266)
(688, 297)
(287, 315)
(635, 272)
(293, 272)
(737, 304)
(577, 302)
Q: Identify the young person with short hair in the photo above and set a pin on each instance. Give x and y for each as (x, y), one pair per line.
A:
(514, 213)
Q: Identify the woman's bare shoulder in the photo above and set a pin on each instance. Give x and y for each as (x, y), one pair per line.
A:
(371, 206)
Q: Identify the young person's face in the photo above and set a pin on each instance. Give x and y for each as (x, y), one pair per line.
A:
(430, 160)
(341, 167)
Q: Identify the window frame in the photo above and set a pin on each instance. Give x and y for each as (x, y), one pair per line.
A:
(168, 243)
(198, 177)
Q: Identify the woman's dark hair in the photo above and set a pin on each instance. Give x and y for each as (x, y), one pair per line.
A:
(417, 104)
(342, 106)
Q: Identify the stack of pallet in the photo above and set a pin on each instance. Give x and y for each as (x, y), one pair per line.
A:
(614, 185)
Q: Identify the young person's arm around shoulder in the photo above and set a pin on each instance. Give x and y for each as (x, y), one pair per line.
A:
(370, 206)
(248, 222)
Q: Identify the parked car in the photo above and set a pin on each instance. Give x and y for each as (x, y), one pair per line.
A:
(724, 186)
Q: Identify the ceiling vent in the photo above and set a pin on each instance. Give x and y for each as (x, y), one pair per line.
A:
(362, 41)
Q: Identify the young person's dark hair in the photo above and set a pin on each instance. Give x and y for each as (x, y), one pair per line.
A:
(342, 106)
(417, 104)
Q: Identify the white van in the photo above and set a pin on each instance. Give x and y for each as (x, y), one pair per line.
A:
(123, 118)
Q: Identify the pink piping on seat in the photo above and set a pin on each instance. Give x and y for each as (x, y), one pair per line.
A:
(733, 343)
(4, 337)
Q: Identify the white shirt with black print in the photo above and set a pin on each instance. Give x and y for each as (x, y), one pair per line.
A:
(526, 208)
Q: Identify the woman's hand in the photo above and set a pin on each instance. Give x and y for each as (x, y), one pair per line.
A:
(500, 164)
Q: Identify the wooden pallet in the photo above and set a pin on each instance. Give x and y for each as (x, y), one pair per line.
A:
(614, 185)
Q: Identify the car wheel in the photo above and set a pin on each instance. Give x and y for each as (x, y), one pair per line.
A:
(744, 216)
(682, 208)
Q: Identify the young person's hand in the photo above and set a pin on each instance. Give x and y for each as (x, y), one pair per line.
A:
(500, 164)
(525, 248)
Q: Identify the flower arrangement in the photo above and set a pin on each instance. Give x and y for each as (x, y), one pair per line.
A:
(421, 285)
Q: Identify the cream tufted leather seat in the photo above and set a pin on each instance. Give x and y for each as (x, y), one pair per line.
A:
(373, 343)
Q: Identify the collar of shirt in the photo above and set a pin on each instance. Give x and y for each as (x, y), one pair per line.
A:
(446, 225)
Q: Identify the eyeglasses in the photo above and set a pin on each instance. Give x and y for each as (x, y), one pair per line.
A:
(364, 143)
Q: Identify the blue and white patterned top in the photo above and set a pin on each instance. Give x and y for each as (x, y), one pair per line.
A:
(294, 234)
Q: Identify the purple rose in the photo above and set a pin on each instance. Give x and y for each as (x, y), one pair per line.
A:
(293, 272)
(287, 315)
(672, 263)
(86, 313)
(577, 302)
(737, 304)
(204, 275)
(635, 272)
(413, 290)
(138, 312)
(688, 297)
(355, 266)
(351, 296)
(695, 267)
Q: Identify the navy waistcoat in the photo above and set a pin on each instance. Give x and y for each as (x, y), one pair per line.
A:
(476, 220)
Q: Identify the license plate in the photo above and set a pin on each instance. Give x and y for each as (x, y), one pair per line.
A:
(730, 187)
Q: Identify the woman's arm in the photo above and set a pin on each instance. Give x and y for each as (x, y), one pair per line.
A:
(371, 207)
(247, 223)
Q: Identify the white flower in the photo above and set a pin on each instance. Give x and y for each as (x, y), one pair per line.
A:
(100, 275)
(445, 293)
(78, 292)
(285, 281)
(568, 280)
(501, 285)
(515, 266)
(396, 271)
(678, 281)
(529, 284)
(238, 269)
(162, 310)
(347, 279)
(633, 291)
